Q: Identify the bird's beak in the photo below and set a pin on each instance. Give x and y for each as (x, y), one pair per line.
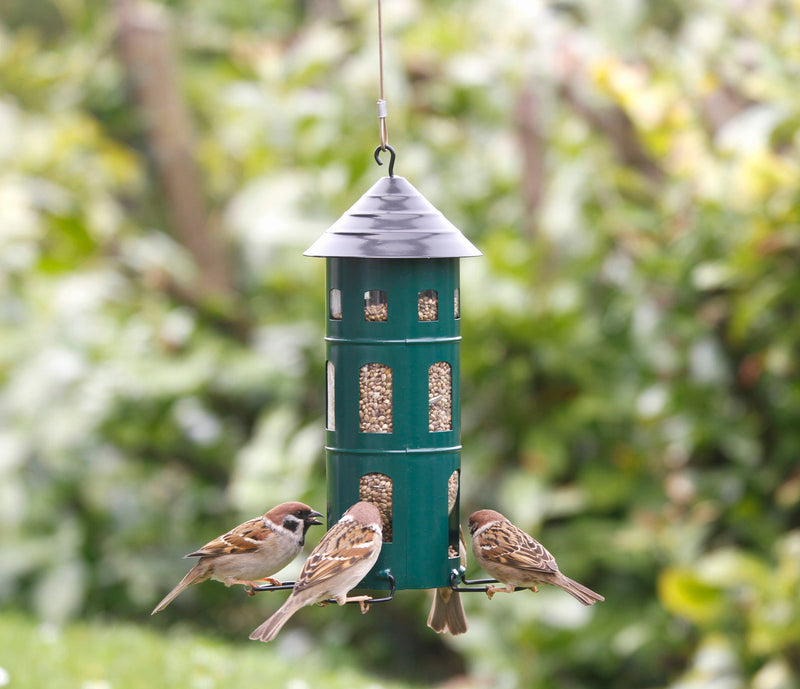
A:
(311, 518)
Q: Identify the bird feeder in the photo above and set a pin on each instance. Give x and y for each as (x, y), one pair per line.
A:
(393, 324)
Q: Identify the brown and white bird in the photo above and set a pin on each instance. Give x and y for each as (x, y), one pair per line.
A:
(252, 551)
(341, 559)
(447, 611)
(514, 558)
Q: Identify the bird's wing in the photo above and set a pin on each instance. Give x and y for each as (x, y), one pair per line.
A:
(346, 544)
(245, 538)
(508, 545)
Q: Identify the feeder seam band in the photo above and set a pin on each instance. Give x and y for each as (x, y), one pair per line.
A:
(407, 451)
(370, 341)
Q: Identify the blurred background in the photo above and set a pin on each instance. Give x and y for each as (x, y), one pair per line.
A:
(630, 355)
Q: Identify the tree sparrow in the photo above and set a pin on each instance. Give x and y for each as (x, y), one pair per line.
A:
(514, 558)
(342, 558)
(252, 551)
(447, 611)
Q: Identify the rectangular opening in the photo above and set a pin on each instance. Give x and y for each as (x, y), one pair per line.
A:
(330, 374)
(454, 548)
(375, 398)
(428, 305)
(440, 397)
(376, 306)
(335, 304)
(377, 489)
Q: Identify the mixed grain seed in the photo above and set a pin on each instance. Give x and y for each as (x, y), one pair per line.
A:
(375, 399)
(452, 491)
(428, 305)
(377, 489)
(376, 306)
(452, 495)
(440, 397)
(376, 312)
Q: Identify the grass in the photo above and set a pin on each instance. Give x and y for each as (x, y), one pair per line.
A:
(90, 655)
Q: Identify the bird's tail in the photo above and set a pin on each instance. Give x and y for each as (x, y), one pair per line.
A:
(447, 612)
(584, 594)
(195, 575)
(269, 629)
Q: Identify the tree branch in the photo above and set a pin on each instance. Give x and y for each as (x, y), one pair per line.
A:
(145, 50)
(527, 121)
(615, 124)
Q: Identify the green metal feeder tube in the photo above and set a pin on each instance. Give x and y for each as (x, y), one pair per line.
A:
(393, 378)
(413, 455)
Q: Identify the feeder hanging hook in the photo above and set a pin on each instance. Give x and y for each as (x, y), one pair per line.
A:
(391, 160)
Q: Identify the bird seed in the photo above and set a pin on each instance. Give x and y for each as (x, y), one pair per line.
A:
(452, 491)
(375, 400)
(428, 305)
(440, 397)
(377, 489)
(376, 306)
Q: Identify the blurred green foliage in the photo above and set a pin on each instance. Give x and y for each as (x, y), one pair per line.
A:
(630, 384)
(124, 656)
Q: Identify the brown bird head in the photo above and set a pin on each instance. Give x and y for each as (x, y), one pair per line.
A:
(364, 513)
(482, 517)
(293, 515)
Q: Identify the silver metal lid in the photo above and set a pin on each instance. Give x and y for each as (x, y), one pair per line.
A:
(393, 220)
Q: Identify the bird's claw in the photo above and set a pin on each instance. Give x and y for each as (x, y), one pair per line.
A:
(363, 602)
(508, 588)
(252, 586)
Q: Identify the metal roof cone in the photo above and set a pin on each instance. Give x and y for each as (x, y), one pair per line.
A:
(393, 220)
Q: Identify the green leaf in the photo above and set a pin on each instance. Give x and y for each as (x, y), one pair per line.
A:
(683, 593)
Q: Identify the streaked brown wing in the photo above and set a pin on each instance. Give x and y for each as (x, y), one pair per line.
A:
(342, 547)
(508, 545)
(244, 538)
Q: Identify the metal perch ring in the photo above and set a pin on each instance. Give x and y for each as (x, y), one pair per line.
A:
(287, 585)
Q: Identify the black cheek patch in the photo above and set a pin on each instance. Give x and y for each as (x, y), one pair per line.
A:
(291, 523)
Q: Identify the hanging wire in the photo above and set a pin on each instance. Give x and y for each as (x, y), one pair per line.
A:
(382, 111)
